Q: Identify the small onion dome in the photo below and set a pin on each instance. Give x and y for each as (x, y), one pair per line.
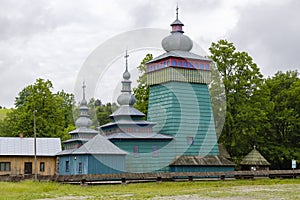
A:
(126, 99)
(83, 102)
(83, 122)
(126, 75)
(177, 42)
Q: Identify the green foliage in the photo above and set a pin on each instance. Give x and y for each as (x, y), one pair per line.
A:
(141, 92)
(103, 111)
(53, 112)
(242, 80)
(3, 112)
(260, 112)
(283, 138)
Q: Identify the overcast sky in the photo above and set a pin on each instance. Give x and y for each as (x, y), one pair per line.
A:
(52, 39)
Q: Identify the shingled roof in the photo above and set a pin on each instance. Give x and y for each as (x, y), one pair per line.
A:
(201, 161)
(254, 158)
(99, 145)
(223, 151)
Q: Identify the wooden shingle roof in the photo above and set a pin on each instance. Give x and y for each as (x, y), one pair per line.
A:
(254, 158)
(201, 161)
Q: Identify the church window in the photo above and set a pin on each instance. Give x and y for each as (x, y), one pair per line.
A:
(154, 151)
(190, 140)
(179, 63)
(136, 151)
(67, 166)
(201, 66)
(174, 63)
(185, 64)
(80, 167)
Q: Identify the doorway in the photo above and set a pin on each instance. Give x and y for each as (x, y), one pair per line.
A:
(28, 168)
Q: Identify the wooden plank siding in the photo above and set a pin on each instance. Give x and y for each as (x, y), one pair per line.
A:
(17, 165)
(188, 113)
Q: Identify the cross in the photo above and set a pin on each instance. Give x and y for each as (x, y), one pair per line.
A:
(126, 56)
(177, 11)
(83, 90)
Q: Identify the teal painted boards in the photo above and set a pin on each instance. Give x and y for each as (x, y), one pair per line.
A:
(184, 111)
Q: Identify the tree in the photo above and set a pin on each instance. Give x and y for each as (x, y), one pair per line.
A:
(141, 92)
(283, 137)
(104, 111)
(53, 112)
(242, 80)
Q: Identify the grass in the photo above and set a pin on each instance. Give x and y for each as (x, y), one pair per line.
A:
(230, 189)
(3, 113)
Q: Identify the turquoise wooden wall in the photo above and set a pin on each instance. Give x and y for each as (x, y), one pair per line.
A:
(184, 111)
(146, 160)
(92, 164)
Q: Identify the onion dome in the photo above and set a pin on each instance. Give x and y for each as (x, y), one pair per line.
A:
(83, 120)
(126, 98)
(177, 41)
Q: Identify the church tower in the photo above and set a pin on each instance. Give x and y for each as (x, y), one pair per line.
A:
(179, 99)
(83, 132)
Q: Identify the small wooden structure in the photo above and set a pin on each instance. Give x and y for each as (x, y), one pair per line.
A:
(254, 161)
(17, 155)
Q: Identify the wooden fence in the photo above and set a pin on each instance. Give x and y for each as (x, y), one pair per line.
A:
(171, 176)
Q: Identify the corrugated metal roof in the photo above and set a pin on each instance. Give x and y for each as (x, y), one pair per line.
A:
(254, 158)
(16, 146)
(201, 161)
(99, 145)
(179, 54)
(138, 136)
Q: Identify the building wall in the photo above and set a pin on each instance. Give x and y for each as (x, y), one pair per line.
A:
(184, 111)
(17, 164)
(91, 164)
(146, 155)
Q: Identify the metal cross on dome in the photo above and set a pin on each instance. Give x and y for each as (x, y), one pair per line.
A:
(126, 56)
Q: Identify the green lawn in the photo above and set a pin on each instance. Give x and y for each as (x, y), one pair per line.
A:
(3, 113)
(229, 189)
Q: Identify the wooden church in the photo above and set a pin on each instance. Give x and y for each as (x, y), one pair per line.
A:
(179, 133)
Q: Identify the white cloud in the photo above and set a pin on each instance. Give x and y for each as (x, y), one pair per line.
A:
(52, 39)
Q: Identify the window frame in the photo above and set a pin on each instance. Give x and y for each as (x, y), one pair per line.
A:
(67, 166)
(5, 166)
(42, 166)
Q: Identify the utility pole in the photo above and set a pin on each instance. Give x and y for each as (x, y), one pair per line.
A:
(34, 132)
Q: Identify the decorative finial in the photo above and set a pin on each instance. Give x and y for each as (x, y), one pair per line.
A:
(83, 90)
(126, 56)
(254, 146)
(126, 74)
(177, 11)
